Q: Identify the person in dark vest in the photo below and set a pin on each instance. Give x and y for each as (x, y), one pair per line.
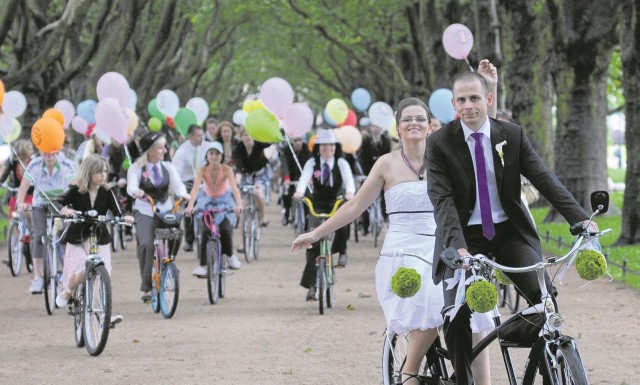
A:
(153, 177)
(330, 176)
(291, 173)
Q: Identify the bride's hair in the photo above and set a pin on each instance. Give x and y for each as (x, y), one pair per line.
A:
(412, 101)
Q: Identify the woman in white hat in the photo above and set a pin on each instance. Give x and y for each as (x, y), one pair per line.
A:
(330, 176)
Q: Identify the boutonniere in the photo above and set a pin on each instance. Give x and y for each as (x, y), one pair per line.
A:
(316, 174)
(501, 151)
(145, 174)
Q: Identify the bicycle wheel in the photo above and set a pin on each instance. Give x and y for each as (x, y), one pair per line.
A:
(123, 237)
(246, 236)
(213, 278)
(49, 283)
(255, 234)
(321, 283)
(394, 355)
(113, 230)
(299, 219)
(224, 265)
(329, 279)
(97, 310)
(169, 290)
(569, 369)
(15, 249)
(77, 302)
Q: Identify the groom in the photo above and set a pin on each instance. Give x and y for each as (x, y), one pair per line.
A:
(474, 167)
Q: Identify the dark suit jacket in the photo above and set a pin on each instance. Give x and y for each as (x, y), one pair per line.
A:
(79, 232)
(452, 186)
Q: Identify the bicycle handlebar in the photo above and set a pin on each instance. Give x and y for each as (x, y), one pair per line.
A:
(403, 253)
(92, 216)
(336, 205)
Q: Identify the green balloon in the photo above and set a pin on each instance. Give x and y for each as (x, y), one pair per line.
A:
(126, 164)
(263, 126)
(183, 119)
(152, 107)
(155, 124)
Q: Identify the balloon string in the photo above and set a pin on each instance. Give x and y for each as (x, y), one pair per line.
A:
(466, 59)
(295, 158)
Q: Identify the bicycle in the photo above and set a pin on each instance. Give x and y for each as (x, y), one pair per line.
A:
(118, 230)
(19, 238)
(250, 225)
(90, 302)
(325, 275)
(53, 259)
(165, 284)
(553, 355)
(216, 264)
(376, 221)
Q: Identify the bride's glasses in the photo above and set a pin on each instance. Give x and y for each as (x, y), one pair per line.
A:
(417, 119)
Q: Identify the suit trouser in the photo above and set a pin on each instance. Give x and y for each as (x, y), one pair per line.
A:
(508, 248)
(189, 235)
(146, 235)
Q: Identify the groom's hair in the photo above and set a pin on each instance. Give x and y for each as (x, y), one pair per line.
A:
(470, 76)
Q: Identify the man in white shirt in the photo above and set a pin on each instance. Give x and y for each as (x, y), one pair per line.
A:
(189, 157)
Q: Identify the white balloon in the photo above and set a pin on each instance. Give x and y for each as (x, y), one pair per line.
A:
(5, 153)
(6, 124)
(239, 117)
(167, 102)
(79, 125)
(14, 104)
(381, 114)
(67, 109)
(200, 107)
(133, 100)
(102, 134)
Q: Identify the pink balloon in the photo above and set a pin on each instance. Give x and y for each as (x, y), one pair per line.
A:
(277, 96)
(298, 120)
(67, 109)
(113, 118)
(113, 85)
(458, 41)
(79, 125)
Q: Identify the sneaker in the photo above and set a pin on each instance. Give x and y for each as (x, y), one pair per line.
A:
(62, 299)
(115, 319)
(188, 247)
(285, 220)
(200, 271)
(37, 284)
(264, 224)
(234, 262)
(146, 297)
(342, 260)
(311, 294)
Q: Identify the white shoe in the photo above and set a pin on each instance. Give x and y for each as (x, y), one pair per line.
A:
(115, 319)
(37, 284)
(200, 271)
(234, 262)
(62, 299)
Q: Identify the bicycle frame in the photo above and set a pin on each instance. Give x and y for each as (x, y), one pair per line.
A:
(53, 261)
(250, 224)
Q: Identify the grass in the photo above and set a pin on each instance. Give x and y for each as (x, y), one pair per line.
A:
(617, 174)
(616, 255)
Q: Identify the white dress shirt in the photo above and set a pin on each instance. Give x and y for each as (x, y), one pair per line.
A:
(133, 185)
(184, 159)
(345, 172)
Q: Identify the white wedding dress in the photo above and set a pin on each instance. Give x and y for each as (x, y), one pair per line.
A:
(412, 229)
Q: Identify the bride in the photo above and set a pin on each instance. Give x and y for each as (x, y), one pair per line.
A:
(401, 174)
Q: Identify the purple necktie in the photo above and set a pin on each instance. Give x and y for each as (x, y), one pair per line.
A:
(157, 178)
(325, 174)
(488, 230)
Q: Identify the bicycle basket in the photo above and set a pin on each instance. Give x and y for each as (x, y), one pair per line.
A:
(167, 219)
(169, 233)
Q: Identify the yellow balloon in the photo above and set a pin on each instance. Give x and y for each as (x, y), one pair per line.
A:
(133, 122)
(252, 105)
(16, 130)
(337, 110)
(1, 92)
(393, 130)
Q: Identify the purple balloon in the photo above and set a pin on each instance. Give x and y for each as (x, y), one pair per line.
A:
(113, 85)
(277, 96)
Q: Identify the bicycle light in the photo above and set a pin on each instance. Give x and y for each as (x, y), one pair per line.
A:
(556, 320)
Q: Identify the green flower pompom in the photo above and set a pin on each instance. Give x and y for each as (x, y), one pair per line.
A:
(406, 282)
(590, 264)
(482, 296)
(502, 277)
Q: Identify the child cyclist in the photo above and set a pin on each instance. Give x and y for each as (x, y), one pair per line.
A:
(89, 194)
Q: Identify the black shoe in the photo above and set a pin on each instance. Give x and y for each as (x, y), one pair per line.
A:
(240, 250)
(264, 224)
(284, 220)
(311, 294)
(188, 247)
(146, 298)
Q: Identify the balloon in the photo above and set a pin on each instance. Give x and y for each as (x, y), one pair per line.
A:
(113, 119)
(277, 96)
(364, 121)
(133, 100)
(337, 110)
(298, 120)
(1, 92)
(360, 98)
(133, 123)
(6, 125)
(47, 135)
(350, 120)
(251, 105)
(200, 107)
(170, 121)
(153, 110)
(154, 124)
(102, 134)
(263, 126)
(87, 110)
(16, 130)
(168, 102)
(79, 125)
(126, 163)
(113, 85)
(239, 117)
(381, 114)
(328, 119)
(312, 141)
(55, 114)
(184, 118)
(393, 130)
(350, 138)
(457, 40)
(441, 106)
(5, 153)
(14, 104)
(67, 109)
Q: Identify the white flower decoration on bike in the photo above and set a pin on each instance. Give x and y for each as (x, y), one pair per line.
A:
(501, 151)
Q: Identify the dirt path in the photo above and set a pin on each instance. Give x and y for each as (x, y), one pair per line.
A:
(264, 332)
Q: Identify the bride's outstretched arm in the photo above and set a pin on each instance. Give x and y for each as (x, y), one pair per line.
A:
(349, 211)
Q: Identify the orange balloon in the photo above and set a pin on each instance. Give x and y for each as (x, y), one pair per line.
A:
(54, 114)
(312, 141)
(47, 135)
(1, 91)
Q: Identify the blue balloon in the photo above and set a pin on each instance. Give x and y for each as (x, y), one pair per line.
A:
(327, 119)
(440, 105)
(361, 98)
(87, 110)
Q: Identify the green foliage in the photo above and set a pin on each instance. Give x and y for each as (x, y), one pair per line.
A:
(615, 95)
(590, 264)
(406, 282)
(617, 175)
(482, 296)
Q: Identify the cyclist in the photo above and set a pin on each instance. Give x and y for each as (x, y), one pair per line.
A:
(89, 194)
(290, 172)
(14, 169)
(220, 192)
(227, 138)
(153, 177)
(330, 176)
(50, 175)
